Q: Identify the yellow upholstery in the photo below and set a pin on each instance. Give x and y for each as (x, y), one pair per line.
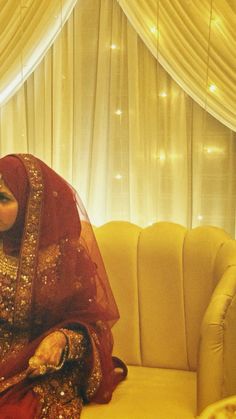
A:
(150, 393)
(163, 278)
(223, 409)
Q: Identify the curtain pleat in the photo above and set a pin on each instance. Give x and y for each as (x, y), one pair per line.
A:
(27, 30)
(103, 112)
(195, 41)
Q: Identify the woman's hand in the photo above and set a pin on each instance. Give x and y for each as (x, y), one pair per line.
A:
(48, 355)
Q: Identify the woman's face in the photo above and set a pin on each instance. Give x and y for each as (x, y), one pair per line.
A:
(8, 208)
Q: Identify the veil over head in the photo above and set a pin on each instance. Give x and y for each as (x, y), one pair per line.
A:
(52, 228)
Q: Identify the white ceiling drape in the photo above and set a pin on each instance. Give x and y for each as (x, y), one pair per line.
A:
(102, 112)
(195, 41)
(27, 29)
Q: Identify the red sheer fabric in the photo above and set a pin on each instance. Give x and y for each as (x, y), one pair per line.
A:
(75, 290)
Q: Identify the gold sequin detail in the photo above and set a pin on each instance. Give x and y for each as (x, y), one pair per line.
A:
(48, 258)
(16, 276)
(8, 264)
(95, 377)
(58, 395)
(28, 256)
(77, 344)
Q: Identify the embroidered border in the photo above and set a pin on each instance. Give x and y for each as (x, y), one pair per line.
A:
(95, 377)
(28, 256)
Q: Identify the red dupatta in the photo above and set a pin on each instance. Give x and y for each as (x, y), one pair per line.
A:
(52, 223)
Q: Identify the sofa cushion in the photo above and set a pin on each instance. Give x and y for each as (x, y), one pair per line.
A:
(150, 393)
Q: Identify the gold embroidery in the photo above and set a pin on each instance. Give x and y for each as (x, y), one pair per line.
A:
(48, 258)
(58, 394)
(95, 377)
(27, 265)
(8, 264)
(16, 276)
(10, 382)
(77, 344)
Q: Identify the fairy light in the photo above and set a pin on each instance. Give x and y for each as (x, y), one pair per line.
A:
(209, 150)
(216, 21)
(160, 156)
(154, 29)
(118, 176)
(118, 112)
(200, 217)
(113, 46)
(213, 150)
(163, 94)
(212, 88)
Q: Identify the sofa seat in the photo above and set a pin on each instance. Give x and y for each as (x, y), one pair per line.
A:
(176, 293)
(150, 393)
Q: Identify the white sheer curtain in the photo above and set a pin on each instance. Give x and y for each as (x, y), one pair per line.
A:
(27, 30)
(195, 42)
(102, 112)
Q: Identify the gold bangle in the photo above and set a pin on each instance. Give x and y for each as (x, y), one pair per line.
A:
(42, 369)
(61, 363)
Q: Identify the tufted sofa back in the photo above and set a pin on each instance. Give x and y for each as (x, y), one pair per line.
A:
(162, 277)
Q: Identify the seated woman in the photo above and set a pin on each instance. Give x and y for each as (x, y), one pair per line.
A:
(56, 305)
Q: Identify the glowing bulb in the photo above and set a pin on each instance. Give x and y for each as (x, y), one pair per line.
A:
(214, 150)
(200, 217)
(162, 156)
(216, 21)
(118, 176)
(113, 46)
(153, 29)
(118, 112)
(212, 88)
(163, 94)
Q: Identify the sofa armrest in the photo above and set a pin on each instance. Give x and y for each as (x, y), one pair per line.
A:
(223, 409)
(216, 372)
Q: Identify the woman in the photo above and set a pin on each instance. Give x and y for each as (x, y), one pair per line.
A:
(56, 305)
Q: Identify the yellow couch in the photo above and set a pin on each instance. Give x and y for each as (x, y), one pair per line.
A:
(176, 291)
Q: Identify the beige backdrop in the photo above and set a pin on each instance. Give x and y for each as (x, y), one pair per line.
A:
(102, 112)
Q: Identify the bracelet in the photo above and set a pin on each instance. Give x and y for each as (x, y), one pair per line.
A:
(76, 344)
(62, 362)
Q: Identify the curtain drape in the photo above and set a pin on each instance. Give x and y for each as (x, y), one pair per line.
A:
(195, 41)
(104, 113)
(27, 29)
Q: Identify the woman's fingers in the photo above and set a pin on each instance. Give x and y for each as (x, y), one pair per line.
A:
(48, 354)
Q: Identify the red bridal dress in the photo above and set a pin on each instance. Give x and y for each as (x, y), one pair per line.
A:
(52, 278)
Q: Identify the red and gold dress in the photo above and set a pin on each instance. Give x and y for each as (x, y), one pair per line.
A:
(52, 278)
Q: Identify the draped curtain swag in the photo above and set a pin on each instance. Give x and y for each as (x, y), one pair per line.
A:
(28, 28)
(102, 111)
(195, 41)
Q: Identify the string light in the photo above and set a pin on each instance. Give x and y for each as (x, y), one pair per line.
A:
(200, 217)
(209, 150)
(118, 176)
(212, 88)
(216, 21)
(161, 156)
(118, 112)
(154, 29)
(213, 150)
(163, 94)
(113, 46)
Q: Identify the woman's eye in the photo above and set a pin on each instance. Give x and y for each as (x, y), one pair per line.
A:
(4, 198)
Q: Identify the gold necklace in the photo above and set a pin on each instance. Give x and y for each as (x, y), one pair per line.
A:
(8, 264)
